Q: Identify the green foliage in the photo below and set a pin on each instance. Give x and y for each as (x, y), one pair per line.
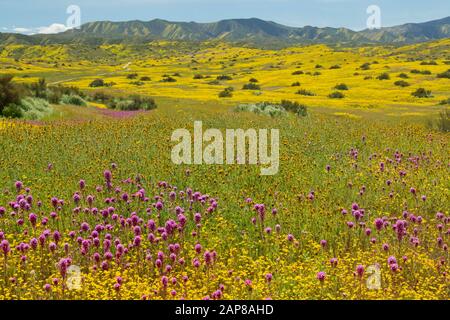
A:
(224, 77)
(341, 86)
(73, 100)
(424, 72)
(10, 94)
(198, 76)
(336, 95)
(422, 93)
(401, 83)
(336, 66)
(305, 92)
(295, 84)
(365, 66)
(295, 107)
(35, 108)
(12, 110)
(132, 76)
(146, 78)
(133, 103)
(226, 93)
(403, 75)
(168, 79)
(445, 74)
(384, 76)
(251, 86)
(298, 72)
(253, 80)
(97, 83)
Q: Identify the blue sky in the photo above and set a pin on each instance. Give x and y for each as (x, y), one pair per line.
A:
(36, 15)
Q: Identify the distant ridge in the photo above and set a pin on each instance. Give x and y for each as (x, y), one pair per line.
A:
(252, 31)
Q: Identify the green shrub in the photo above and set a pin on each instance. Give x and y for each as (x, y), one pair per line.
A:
(445, 74)
(253, 80)
(294, 107)
(168, 79)
(341, 86)
(384, 76)
(224, 77)
(336, 66)
(73, 100)
(401, 83)
(12, 110)
(422, 93)
(428, 63)
(132, 76)
(295, 84)
(251, 86)
(198, 76)
(97, 83)
(10, 94)
(35, 108)
(336, 95)
(298, 72)
(365, 66)
(145, 78)
(226, 93)
(425, 72)
(305, 92)
(403, 75)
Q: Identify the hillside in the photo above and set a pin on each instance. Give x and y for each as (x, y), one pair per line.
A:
(251, 31)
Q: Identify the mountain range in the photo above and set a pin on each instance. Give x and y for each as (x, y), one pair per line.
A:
(252, 31)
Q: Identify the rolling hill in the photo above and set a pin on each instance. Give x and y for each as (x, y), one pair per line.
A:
(252, 31)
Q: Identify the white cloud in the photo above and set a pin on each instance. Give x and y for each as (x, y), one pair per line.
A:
(53, 28)
(22, 30)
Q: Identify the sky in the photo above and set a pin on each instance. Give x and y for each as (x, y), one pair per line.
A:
(50, 16)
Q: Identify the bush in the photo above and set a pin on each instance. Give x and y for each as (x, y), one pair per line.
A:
(251, 86)
(341, 86)
(422, 93)
(97, 83)
(365, 66)
(384, 76)
(264, 108)
(446, 101)
(445, 74)
(428, 63)
(336, 66)
(403, 75)
(145, 78)
(132, 76)
(35, 108)
(137, 83)
(336, 95)
(295, 84)
(133, 103)
(294, 107)
(226, 93)
(73, 100)
(304, 92)
(401, 83)
(298, 72)
(253, 80)
(425, 72)
(274, 109)
(224, 77)
(39, 89)
(198, 76)
(168, 79)
(12, 110)
(10, 94)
